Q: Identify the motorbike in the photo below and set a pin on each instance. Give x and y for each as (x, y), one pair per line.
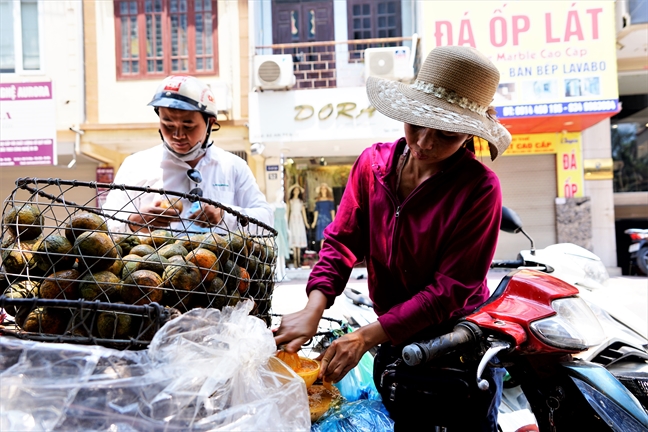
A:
(535, 324)
(622, 349)
(638, 249)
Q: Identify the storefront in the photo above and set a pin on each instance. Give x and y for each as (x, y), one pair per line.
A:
(312, 138)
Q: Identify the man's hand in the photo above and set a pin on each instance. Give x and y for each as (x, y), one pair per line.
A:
(154, 217)
(207, 214)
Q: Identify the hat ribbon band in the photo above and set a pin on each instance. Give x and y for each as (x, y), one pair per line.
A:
(449, 96)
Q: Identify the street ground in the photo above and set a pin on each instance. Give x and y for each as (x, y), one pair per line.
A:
(625, 296)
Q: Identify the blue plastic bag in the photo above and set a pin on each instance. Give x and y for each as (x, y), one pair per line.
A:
(358, 383)
(359, 416)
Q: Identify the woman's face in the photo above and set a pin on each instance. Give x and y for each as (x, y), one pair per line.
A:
(432, 145)
(181, 129)
(323, 192)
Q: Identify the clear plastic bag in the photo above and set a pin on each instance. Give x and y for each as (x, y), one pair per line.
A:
(205, 370)
(360, 416)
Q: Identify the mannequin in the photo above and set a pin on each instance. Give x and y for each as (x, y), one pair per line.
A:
(324, 211)
(281, 225)
(297, 222)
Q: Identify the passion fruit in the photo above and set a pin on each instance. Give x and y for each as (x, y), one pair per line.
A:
(114, 325)
(141, 287)
(102, 286)
(25, 221)
(180, 279)
(47, 320)
(206, 262)
(62, 284)
(82, 222)
(53, 253)
(96, 250)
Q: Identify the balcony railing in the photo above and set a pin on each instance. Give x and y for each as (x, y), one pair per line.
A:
(318, 64)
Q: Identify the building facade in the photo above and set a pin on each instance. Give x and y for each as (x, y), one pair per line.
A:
(558, 90)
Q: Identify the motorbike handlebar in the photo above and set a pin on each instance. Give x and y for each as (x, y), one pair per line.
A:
(507, 264)
(422, 352)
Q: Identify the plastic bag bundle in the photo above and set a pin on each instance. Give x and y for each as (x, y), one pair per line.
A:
(205, 370)
(360, 416)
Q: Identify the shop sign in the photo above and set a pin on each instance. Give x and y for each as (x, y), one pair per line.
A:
(569, 166)
(105, 174)
(318, 115)
(566, 147)
(553, 57)
(27, 124)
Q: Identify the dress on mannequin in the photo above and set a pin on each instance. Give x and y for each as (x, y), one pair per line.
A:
(297, 223)
(324, 212)
(281, 225)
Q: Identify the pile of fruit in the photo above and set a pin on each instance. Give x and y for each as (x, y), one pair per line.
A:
(81, 259)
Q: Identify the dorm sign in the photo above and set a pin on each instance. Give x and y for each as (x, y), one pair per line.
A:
(27, 124)
(554, 57)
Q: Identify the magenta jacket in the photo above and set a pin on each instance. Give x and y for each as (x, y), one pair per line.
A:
(427, 257)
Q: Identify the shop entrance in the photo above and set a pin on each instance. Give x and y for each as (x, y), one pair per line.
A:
(314, 185)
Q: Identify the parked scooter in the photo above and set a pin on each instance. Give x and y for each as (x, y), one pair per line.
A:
(535, 323)
(622, 349)
(638, 249)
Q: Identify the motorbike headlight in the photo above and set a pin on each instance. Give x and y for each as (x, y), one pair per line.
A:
(574, 326)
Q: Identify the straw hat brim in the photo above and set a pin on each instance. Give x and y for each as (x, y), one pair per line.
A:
(401, 102)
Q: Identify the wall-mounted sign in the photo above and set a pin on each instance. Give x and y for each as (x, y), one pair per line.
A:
(598, 169)
(272, 167)
(553, 57)
(105, 174)
(566, 147)
(318, 115)
(27, 124)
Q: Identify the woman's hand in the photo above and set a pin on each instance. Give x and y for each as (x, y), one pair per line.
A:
(155, 217)
(297, 328)
(345, 353)
(207, 214)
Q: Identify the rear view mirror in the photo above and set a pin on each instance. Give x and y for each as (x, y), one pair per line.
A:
(511, 222)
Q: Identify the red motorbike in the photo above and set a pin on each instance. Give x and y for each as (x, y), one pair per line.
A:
(533, 325)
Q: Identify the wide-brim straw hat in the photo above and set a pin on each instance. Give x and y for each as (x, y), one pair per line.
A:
(452, 92)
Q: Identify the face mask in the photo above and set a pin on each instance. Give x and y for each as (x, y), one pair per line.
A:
(196, 152)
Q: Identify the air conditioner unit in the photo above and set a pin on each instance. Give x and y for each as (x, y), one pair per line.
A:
(392, 63)
(273, 72)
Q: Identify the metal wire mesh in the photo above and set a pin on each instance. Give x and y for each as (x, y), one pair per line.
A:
(54, 249)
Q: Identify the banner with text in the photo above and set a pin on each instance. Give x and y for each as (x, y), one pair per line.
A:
(569, 157)
(27, 124)
(554, 57)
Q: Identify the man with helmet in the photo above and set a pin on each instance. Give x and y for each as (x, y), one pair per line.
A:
(185, 161)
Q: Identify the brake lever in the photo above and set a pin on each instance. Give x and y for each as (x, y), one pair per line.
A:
(496, 347)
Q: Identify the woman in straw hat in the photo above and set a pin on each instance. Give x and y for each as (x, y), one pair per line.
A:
(423, 214)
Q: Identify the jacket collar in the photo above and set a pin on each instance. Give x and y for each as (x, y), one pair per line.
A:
(384, 158)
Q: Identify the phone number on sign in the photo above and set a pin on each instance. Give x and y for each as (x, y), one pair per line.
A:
(557, 108)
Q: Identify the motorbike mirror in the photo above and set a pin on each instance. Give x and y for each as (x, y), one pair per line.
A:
(511, 222)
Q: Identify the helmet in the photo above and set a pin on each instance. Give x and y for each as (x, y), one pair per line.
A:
(185, 92)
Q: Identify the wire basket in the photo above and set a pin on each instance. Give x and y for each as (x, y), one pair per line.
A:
(55, 251)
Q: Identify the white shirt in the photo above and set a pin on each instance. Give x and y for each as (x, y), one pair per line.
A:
(226, 179)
